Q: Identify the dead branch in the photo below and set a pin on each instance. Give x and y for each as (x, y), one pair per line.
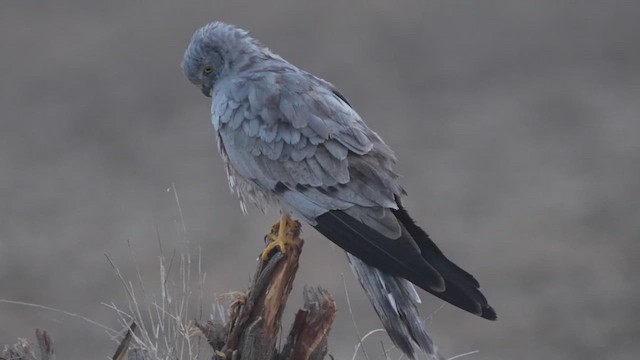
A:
(308, 336)
(121, 351)
(255, 319)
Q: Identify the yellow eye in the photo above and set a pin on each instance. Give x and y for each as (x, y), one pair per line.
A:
(207, 70)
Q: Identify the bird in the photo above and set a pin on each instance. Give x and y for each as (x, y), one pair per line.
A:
(292, 140)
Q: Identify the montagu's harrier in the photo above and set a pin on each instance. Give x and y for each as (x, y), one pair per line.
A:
(290, 138)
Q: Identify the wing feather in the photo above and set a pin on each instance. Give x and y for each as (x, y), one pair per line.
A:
(296, 130)
(336, 149)
(236, 117)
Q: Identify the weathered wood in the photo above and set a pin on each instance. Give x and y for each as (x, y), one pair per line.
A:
(255, 318)
(308, 336)
(254, 325)
(121, 351)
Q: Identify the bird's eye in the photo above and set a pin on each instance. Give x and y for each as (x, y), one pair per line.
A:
(207, 70)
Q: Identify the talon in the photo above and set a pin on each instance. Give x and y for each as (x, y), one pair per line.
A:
(282, 233)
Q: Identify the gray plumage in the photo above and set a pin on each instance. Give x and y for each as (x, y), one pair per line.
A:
(290, 138)
(395, 300)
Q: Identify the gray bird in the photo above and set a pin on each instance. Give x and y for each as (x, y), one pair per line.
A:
(290, 138)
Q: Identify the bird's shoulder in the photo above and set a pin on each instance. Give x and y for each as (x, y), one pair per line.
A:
(278, 102)
(281, 92)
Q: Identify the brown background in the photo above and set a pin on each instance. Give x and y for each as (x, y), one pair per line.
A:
(516, 126)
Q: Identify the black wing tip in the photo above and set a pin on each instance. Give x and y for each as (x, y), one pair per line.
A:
(397, 257)
(488, 313)
(462, 288)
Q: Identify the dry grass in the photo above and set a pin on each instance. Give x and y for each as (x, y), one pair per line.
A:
(167, 318)
(166, 321)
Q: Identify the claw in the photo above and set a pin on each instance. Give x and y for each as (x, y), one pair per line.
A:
(282, 233)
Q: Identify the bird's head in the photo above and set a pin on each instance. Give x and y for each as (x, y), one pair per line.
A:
(215, 49)
(203, 60)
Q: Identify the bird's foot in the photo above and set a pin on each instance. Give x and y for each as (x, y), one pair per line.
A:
(284, 232)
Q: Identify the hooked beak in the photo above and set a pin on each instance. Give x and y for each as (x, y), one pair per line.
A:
(206, 90)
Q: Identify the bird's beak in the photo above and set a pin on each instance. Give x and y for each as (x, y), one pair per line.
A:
(206, 90)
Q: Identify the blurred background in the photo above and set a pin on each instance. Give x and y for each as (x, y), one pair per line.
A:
(516, 125)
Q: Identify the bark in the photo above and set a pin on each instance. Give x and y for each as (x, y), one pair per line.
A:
(255, 319)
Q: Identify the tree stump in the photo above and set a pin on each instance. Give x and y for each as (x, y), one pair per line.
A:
(255, 318)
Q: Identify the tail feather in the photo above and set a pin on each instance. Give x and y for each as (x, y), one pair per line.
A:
(395, 301)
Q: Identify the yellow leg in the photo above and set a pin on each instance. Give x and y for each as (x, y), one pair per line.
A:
(282, 233)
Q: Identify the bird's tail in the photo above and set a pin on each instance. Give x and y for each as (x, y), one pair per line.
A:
(395, 301)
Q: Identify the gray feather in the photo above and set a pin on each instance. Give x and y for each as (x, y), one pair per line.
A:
(268, 133)
(336, 149)
(320, 177)
(338, 169)
(379, 219)
(236, 118)
(396, 302)
(317, 125)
